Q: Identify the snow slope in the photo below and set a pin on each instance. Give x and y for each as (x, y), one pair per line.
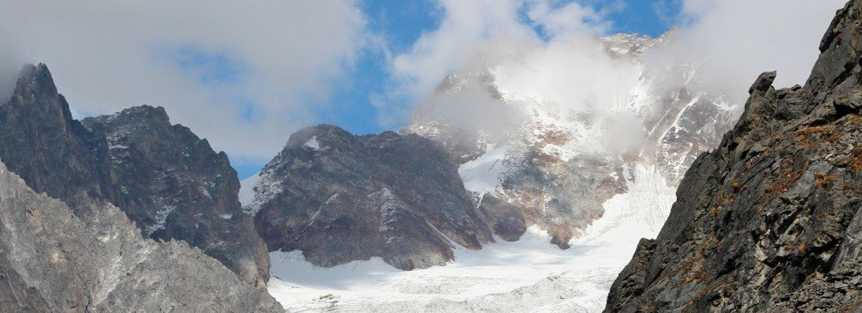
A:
(530, 275)
(485, 173)
(246, 190)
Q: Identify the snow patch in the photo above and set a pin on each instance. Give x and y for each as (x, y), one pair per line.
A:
(313, 143)
(246, 189)
(258, 189)
(484, 174)
(640, 213)
(161, 218)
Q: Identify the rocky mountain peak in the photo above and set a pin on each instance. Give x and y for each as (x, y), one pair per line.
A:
(166, 179)
(35, 87)
(313, 137)
(45, 146)
(35, 80)
(142, 115)
(340, 197)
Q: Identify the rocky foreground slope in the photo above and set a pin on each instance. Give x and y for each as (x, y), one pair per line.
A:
(339, 198)
(54, 260)
(167, 180)
(771, 220)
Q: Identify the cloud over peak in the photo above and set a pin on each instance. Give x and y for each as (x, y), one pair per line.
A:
(239, 73)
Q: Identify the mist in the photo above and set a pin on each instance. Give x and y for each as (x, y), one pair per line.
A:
(555, 59)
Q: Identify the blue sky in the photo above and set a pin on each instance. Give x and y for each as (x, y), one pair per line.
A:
(401, 23)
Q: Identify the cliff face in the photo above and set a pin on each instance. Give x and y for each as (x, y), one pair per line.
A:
(169, 182)
(53, 260)
(771, 220)
(339, 198)
(52, 152)
(174, 186)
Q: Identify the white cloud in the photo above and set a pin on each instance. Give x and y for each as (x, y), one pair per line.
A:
(558, 19)
(479, 34)
(108, 55)
(735, 40)
(731, 41)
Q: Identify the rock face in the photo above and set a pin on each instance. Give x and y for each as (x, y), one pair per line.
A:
(532, 161)
(169, 182)
(339, 198)
(52, 152)
(54, 260)
(173, 185)
(771, 220)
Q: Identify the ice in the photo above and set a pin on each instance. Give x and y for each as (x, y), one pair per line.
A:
(485, 173)
(530, 275)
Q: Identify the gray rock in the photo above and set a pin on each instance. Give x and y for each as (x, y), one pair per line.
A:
(53, 260)
(768, 222)
(174, 186)
(170, 182)
(763, 83)
(339, 198)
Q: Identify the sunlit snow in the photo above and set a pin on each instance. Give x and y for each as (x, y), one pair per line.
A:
(313, 143)
(246, 191)
(485, 173)
(530, 275)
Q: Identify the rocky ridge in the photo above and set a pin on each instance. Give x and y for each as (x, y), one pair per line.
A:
(169, 182)
(339, 198)
(174, 186)
(54, 260)
(771, 220)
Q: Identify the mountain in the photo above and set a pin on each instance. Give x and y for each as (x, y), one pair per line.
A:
(770, 221)
(169, 182)
(339, 198)
(55, 260)
(530, 159)
(161, 169)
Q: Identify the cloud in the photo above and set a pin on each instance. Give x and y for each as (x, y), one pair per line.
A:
(477, 35)
(246, 75)
(549, 49)
(732, 41)
(242, 74)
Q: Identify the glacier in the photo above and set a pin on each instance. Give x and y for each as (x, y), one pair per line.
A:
(530, 275)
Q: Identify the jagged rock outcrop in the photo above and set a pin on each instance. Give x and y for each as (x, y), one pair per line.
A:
(53, 260)
(534, 161)
(170, 182)
(52, 152)
(339, 198)
(771, 220)
(174, 186)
